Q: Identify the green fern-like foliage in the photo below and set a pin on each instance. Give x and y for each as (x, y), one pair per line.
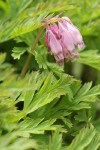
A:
(46, 100)
(47, 109)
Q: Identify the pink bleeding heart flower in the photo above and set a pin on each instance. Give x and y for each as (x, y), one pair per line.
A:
(54, 44)
(75, 33)
(67, 43)
(66, 40)
(62, 39)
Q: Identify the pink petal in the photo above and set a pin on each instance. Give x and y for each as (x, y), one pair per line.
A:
(46, 41)
(77, 38)
(53, 42)
(54, 28)
(80, 45)
(67, 41)
(55, 46)
(59, 59)
(66, 19)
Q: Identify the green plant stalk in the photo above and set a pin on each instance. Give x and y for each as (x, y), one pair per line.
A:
(25, 67)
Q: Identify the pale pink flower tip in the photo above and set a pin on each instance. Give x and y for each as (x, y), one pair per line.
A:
(62, 39)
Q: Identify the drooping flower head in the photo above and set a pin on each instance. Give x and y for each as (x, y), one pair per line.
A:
(62, 39)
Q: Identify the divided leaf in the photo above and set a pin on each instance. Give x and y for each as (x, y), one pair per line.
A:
(90, 58)
(83, 139)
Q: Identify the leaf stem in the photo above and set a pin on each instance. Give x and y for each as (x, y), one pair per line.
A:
(25, 67)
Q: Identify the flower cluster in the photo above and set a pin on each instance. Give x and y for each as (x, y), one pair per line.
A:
(62, 39)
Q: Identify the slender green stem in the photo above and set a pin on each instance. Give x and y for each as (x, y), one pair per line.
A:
(25, 67)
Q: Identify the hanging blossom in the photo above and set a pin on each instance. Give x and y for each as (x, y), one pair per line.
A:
(62, 39)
